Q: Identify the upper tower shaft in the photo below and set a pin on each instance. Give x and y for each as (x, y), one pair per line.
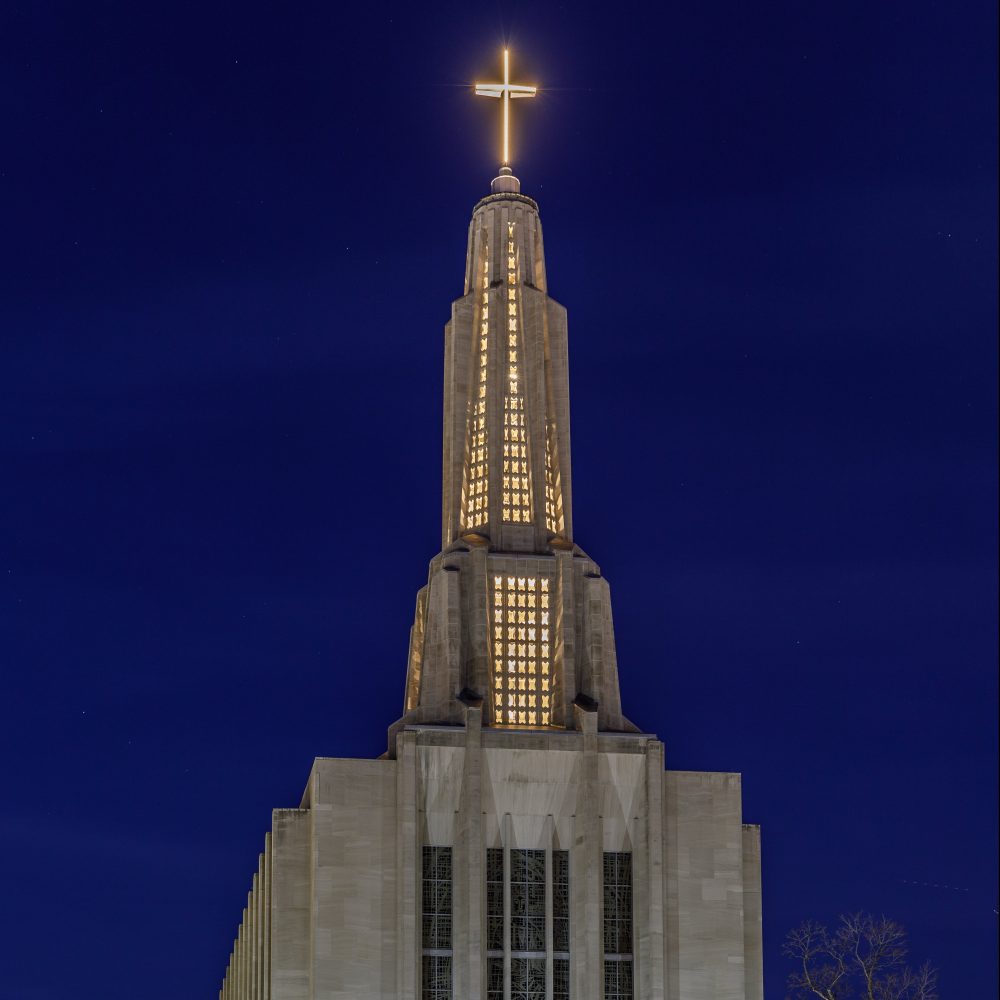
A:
(506, 412)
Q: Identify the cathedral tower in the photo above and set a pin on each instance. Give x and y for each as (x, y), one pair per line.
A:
(520, 838)
(514, 615)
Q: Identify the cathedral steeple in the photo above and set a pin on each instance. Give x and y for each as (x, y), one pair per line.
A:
(514, 615)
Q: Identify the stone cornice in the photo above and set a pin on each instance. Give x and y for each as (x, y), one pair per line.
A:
(505, 196)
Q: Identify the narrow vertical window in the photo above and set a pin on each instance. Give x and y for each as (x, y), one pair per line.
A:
(527, 925)
(494, 923)
(560, 925)
(436, 924)
(618, 966)
(476, 480)
(494, 978)
(516, 494)
(560, 979)
(520, 615)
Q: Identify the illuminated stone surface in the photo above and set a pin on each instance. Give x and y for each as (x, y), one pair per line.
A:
(507, 507)
(512, 740)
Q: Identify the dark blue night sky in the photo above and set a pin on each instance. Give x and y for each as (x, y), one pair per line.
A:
(231, 236)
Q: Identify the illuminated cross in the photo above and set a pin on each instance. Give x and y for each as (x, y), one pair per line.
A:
(505, 91)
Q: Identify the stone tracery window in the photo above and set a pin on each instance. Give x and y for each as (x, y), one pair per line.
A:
(527, 904)
(494, 978)
(618, 956)
(560, 925)
(494, 900)
(560, 979)
(527, 978)
(436, 924)
(494, 923)
(530, 945)
(560, 902)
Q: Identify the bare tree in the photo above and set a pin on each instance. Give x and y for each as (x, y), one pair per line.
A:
(863, 957)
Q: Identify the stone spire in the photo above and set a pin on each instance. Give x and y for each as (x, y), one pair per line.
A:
(514, 615)
(506, 403)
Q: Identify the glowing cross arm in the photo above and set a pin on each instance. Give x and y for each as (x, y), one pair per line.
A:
(498, 90)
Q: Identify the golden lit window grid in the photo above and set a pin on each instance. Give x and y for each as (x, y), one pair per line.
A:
(520, 616)
(515, 496)
(475, 487)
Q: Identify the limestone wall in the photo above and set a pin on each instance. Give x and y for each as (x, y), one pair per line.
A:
(334, 908)
(704, 873)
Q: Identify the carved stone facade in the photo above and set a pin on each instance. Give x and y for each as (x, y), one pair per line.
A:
(520, 838)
